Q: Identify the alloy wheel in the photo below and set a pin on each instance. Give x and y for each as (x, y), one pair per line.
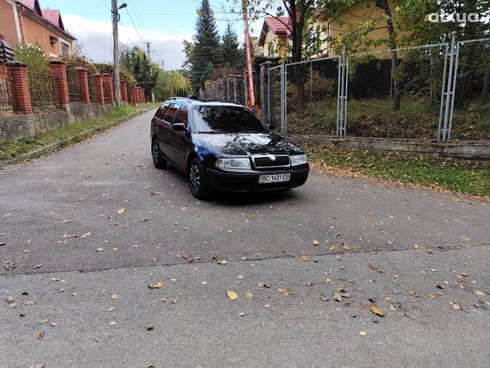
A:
(195, 178)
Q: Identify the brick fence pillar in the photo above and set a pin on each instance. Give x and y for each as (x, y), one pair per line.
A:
(99, 87)
(133, 95)
(20, 87)
(83, 80)
(58, 70)
(142, 95)
(3, 70)
(110, 88)
(124, 91)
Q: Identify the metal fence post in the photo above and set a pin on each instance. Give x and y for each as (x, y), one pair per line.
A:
(453, 91)
(449, 89)
(342, 100)
(283, 99)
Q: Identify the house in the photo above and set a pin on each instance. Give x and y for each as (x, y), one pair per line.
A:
(275, 36)
(24, 21)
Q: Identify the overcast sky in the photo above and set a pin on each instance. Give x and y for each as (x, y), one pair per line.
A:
(164, 23)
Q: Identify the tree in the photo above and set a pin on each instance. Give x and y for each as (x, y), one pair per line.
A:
(205, 53)
(171, 83)
(33, 56)
(232, 55)
(144, 71)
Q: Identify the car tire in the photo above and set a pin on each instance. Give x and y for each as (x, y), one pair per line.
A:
(158, 161)
(197, 180)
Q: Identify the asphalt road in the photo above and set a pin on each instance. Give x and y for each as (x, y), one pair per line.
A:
(96, 219)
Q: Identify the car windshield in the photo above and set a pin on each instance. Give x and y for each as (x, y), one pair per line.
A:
(226, 119)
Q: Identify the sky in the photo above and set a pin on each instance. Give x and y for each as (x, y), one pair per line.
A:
(164, 23)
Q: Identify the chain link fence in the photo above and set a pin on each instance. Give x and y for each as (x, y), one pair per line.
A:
(396, 93)
(471, 108)
(433, 92)
(311, 96)
(229, 87)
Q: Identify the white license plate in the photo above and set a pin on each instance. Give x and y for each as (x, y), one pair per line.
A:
(274, 178)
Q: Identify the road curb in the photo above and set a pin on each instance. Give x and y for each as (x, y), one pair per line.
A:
(58, 145)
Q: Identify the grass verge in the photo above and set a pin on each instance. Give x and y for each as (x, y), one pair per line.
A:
(463, 176)
(13, 149)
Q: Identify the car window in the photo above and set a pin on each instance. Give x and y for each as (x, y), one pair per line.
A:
(226, 119)
(182, 116)
(170, 113)
(161, 111)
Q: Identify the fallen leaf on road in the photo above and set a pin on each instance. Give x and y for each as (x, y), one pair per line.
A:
(231, 295)
(120, 210)
(29, 302)
(267, 306)
(99, 250)
(149, 328)
(9, 265)
(155, 193)
(456, 306)
(248, 295)
(362, 333)
(480, 293)
(40, 335)
(37, 266)
(264, 285)
(24, 293)
(374, 266)
(110, 309)
(315, 243)
(185, 256)
(337, 297)
(222, 262)
(158, 285)
(112, 323)
(377, 311)
(114, 296)
(304, 258)
(323, 298)
(241, 314)
(38, 365)
(465, 238)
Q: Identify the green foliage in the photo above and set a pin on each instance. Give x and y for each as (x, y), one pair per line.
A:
(233, 56)
(171, 83)
(81, 61)
(33, 56)
(465, 176)
(205, 53)
(144, 71)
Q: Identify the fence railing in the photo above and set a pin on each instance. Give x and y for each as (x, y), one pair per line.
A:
(228, 87)
(74, 87)
(6, 97)
(92, 89)
(42, 89)
(432, 92)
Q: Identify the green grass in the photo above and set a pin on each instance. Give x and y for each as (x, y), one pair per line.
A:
(375, 118)
(12, 149)
(464, 176)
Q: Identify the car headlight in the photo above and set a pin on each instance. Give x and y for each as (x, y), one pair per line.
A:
(298, 160)
(233, 163)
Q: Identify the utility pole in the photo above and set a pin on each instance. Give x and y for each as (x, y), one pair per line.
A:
(148, 51)
(163, 64)
(115, 38)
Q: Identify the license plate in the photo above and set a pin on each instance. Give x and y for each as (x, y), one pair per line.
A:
(274, 178)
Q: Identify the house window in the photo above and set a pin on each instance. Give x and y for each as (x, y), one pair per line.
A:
(270, 51)
(53, 40)
(65, 49)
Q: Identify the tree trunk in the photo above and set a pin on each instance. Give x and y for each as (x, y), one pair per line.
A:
(297, 48)
(395, 92)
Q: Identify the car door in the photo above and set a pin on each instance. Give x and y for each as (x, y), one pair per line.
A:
(181, 140)
(157, 122)
(166, 132)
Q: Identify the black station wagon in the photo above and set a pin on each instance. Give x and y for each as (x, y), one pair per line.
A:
(222, 146)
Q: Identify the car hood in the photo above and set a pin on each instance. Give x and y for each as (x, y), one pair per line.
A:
(247, 143)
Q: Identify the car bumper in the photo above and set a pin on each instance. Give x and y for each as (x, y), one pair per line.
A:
(249, 181)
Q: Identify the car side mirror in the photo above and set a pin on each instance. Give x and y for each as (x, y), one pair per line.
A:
(179, 127)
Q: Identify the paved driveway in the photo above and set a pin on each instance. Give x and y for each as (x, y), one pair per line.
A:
(96, 220)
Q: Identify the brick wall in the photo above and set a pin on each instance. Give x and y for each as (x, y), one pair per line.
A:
(7, 23)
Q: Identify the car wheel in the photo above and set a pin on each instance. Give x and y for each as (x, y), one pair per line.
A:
(197, 180)
(158, 161)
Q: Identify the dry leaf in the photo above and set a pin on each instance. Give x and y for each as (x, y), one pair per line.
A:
(158, 285)
(248, 295)
(304, 258)
(40, 335)
(315, 243)
(120, 210)
(112, 323)
(337, 297)
(264, 285)
(375, 267)
(465, 238)
(222, 262)
(114, 296)
(155, 193)
(99, 250)
(456, 306)
(362, 333)
(480, 293)
(376, 311)
(232, 295)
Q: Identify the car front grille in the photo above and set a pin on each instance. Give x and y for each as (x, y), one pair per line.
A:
(270, 161)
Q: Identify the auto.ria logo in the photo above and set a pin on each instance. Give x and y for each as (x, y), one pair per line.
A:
(454, 17)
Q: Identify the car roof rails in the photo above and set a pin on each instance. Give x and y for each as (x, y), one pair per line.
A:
(222, 100)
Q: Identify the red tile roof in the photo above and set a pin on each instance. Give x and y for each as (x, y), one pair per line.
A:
(279, 26)
(53, 16)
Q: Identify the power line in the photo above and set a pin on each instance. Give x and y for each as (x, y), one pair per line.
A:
(134, 26)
